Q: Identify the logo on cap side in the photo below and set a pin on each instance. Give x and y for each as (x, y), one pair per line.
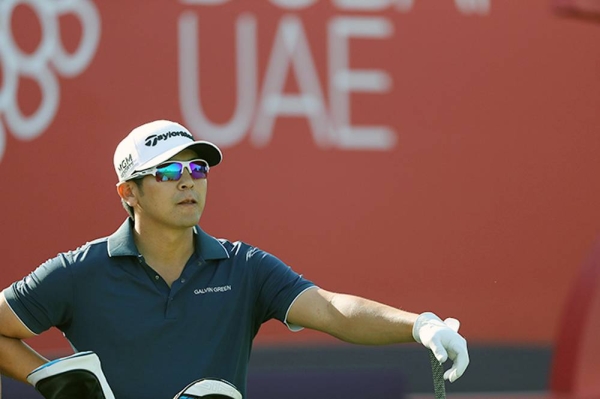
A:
(125, 165)
(153, 139)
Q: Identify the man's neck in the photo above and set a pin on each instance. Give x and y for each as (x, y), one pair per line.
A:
(164, 248)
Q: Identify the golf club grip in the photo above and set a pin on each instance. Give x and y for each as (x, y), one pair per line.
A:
(437, 371)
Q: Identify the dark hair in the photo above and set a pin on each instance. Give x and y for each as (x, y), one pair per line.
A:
(138, 182)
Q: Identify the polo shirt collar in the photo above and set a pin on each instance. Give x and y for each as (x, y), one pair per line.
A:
(121, 243)
(210, 247)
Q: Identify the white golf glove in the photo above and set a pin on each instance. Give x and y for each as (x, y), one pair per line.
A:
(445, 342)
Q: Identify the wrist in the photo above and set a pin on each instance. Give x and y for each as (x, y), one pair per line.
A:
(421, 320)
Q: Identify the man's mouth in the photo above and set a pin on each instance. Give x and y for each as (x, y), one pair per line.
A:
(187, 202)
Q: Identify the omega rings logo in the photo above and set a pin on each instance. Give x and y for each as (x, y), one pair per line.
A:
(41, 65)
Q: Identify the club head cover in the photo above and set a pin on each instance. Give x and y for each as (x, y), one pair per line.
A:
(209, 388)
(73, 377)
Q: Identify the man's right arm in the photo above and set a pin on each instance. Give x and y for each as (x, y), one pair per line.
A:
(17, 359)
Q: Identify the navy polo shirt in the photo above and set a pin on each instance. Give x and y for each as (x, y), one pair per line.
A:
(153, 340)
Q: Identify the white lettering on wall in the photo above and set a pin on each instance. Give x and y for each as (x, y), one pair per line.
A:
(291, 52)
(463, 6)
(343, 81)
(326, 106)
(42, 64)
(230, 133)
(362, 5)
(293, 4)
(469, 7)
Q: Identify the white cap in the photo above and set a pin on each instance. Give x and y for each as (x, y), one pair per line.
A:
(155, 142)
(210, 386)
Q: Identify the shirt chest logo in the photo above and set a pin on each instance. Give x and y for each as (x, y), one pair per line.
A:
(212, 290)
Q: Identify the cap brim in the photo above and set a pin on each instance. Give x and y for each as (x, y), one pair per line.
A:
(204, 149)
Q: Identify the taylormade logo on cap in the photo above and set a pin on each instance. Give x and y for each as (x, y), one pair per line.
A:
(153, 139)
(155, 142)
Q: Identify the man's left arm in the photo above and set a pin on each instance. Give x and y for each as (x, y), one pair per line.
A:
(362, 321)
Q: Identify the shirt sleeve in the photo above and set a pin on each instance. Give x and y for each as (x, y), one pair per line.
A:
(43, 299)
(278, 286)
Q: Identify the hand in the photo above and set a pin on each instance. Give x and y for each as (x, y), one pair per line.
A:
(445, 342)
(73, 377)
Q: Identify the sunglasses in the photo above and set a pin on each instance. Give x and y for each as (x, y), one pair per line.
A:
(172, 170)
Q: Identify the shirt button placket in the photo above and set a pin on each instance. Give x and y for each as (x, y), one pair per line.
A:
(170, 312)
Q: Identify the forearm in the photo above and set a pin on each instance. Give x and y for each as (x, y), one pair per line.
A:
(362, 321)
(17, 359)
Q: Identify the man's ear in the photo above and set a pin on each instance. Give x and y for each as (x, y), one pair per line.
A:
(128, 193)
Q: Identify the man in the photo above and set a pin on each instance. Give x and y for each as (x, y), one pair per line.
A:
(162, 303)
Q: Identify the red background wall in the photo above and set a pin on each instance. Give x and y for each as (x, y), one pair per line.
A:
(482, 209)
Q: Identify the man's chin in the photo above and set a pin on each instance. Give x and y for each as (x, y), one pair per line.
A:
(192, 222)
(188, 221)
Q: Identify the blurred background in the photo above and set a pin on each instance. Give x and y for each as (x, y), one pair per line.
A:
(433, 155)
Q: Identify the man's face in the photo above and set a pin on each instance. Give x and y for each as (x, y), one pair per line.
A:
(175, 204)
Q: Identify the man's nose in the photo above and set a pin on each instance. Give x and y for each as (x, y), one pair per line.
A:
(186, 180)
